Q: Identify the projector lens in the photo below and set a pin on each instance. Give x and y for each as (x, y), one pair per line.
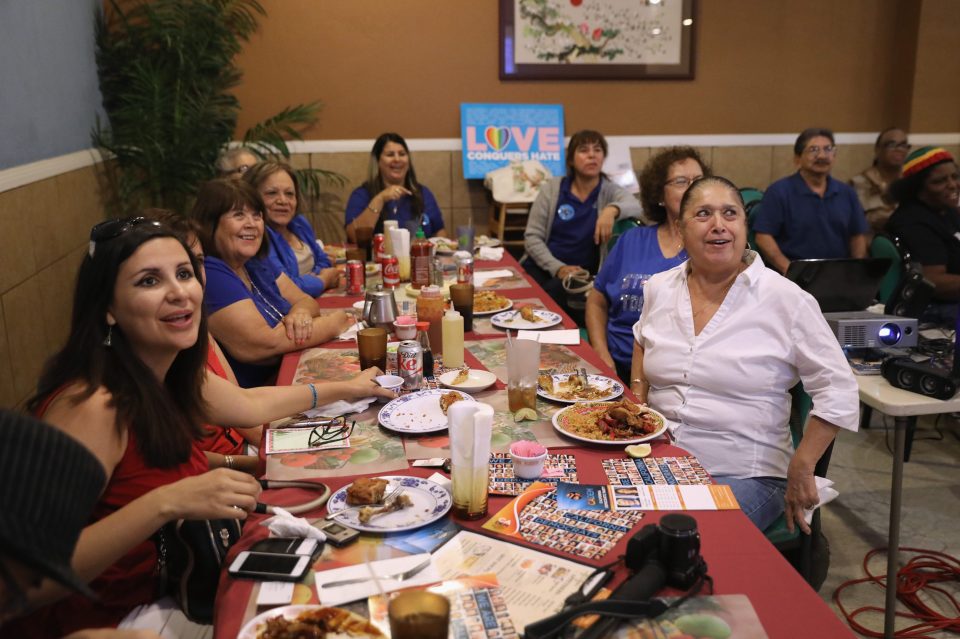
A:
(889, 334)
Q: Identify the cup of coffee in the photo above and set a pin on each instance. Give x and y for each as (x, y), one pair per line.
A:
(372, 344)
(419, 614)
(461, 296)
(364, 236)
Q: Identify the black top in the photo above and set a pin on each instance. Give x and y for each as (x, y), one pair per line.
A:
(932, 237)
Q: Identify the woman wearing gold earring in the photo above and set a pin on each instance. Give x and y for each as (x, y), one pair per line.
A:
(614, 305)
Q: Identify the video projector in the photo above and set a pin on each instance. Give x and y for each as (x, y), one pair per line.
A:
(862, 329)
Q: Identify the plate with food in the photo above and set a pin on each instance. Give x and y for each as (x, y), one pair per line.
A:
(488, 303)
(616, 423)
(486, 240)
(468, 380)
(569, 388)
(415, 292)
(526, 318)
(309, 621)
(420, 412)
(444, 245)
(389, 504)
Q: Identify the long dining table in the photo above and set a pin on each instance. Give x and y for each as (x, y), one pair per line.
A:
(739, 558)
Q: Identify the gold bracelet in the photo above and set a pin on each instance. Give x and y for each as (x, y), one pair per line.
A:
(228, 461)
(377, 211)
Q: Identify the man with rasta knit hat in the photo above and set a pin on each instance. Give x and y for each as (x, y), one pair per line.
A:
(927, 221)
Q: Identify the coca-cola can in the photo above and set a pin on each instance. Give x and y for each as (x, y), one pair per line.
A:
(378, 247)
(410, 364)
(355, 277)
(465, 269)
(391, 271)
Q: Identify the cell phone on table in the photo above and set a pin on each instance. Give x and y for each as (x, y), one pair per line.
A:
(266, 566)
(287, 546)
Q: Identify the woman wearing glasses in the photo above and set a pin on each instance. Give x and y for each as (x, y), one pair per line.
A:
(873, 185)
(130, 385)
(573, 217)
(392, 192)
(614, 304)
(257, 313)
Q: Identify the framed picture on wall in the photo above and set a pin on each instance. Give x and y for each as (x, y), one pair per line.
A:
(597, 39)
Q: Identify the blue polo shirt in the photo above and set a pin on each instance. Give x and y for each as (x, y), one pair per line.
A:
(574, 222)
(401, 210)
(635, 258)
(807, 226)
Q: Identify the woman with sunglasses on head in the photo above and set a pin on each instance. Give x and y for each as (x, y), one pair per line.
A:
(130, 385)
(293, 245)
(573, 217)
(257, 313)
(873, 184)
(614, 304)
(392, 192)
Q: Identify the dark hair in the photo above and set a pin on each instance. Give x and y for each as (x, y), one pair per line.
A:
(586, 136)
(259, 172)
(876, 143)
(705, 181)
(180, 224)
(653, 178)
(166, 417)
(807, 134)
(218, 197)
(375, 183)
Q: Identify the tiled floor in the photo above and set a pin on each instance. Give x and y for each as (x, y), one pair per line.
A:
(857, 521)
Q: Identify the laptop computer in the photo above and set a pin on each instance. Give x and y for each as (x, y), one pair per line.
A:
(842, 284)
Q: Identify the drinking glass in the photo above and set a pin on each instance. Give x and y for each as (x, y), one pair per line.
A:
(372, 344)
(523, 366)
(465, 237)
(419, 614)
(364, 240)
(461, 295)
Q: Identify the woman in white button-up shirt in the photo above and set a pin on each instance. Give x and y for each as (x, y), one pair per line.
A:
(719, 344)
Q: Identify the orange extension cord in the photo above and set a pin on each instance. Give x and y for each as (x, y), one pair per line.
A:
(925, 570)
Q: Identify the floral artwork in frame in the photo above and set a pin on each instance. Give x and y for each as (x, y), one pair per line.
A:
(596, 39)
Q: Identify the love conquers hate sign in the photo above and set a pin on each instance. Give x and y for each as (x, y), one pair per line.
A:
(494, 135)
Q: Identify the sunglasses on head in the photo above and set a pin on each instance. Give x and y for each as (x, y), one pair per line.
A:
(110, 229)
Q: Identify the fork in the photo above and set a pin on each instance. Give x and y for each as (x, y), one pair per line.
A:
(387, 499)
(399, 576)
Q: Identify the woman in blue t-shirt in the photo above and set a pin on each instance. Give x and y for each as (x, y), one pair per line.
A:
(256, 312)
(614, 306)
(392, 192)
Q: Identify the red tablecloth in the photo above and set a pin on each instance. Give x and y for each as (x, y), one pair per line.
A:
(740, 559)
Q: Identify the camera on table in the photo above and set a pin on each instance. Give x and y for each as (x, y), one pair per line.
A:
(674, 543)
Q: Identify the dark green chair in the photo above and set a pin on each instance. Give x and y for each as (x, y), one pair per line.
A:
(619, 228)
(797, 547)
(751, 201)
(883, 246)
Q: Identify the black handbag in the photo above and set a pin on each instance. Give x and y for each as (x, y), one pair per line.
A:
(191, 552)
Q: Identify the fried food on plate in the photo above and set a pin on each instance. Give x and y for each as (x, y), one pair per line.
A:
(366, 490)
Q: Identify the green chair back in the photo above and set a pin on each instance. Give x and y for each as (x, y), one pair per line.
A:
(751, 202)
(619, 228)
(883, 246)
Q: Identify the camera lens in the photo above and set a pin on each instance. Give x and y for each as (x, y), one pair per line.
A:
(678, 525)
(889, 334)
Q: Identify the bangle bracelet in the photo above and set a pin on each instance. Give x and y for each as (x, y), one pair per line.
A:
(313, 389)
(228, 461)
(377, 211)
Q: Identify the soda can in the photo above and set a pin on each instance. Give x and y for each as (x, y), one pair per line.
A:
(391, 271)
(410, 364)
(355, 277)
(378, 247)
(465, 269)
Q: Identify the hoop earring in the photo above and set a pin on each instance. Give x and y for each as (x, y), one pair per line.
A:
(108, 340)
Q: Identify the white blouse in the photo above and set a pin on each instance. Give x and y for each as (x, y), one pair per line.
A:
(726, 390)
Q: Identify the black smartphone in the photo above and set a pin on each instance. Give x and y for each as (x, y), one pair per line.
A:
(287, 546)
(269, 566)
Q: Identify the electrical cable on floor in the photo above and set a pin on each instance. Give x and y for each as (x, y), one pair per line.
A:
(922, 573)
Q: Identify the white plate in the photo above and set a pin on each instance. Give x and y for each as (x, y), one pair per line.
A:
(485, 240)
(431, 501)
(250, 630)
(415, 292)
(512, 319)
(477, 380)
(613, 387)
(496, 310)
(442, 245)
(417, 413)
(559, 418)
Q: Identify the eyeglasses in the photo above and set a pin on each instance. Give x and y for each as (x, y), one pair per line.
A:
(683, 181)
(814, 151)
(893, 144)
(110, 229)
(335, 430)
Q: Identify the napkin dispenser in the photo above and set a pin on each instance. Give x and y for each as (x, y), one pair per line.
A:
(380, 309)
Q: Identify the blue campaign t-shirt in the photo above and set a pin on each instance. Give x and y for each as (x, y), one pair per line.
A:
(807, 226)
(574, 222)
(224, 287)
(400, 210)
(284, 259)
(635, 258)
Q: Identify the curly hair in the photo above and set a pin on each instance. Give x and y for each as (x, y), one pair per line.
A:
(653, 178)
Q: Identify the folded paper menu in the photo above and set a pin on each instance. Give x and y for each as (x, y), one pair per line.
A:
(646, 497)
(482, 277)
(569, 336)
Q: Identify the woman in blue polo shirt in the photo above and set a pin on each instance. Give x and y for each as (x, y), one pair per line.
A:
(392, 192)
(614, 306)
(573, 216)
